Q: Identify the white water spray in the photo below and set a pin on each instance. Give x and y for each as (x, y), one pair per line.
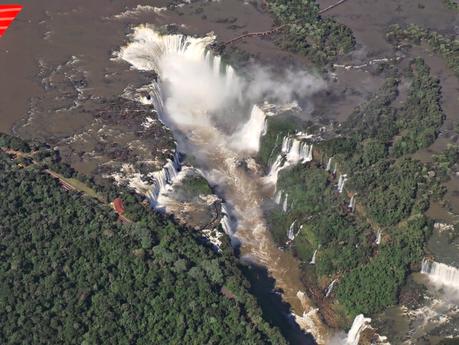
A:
(313, 259)
(293, 151)
(278, 197)
(197, 93)
(328, 168)
(351, 205)
(378, 237)
(285, 204)
(441, 274)
(358, 326)
(341, 182)
(291, 231)
(330, 288)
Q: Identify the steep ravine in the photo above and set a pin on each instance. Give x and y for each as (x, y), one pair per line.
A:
(194, 96)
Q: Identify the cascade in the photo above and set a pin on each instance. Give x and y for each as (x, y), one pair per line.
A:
(441, 273)
(328, 168)
(225, 221)
(378, 237)
(293, 151)
(291, 233)
(247, 139)
(265, 128)
(296, 151)
(334, 169)
(299, 230)
(330, 288)
(341, 182)
(278, 197)
(201, 91)
(313, 260)
(309, 156)
(276, 167)
(163, 179)
(285, 206)
(358, 326)
(351, 205)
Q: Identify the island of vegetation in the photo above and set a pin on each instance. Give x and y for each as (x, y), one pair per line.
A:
(306, 32)
(367, 247)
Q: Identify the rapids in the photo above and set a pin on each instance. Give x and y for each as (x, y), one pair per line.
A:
(195, 95)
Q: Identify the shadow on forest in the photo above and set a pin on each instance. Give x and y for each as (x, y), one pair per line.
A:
(275, 311)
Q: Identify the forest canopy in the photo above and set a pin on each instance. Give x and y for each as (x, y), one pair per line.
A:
(70, 273)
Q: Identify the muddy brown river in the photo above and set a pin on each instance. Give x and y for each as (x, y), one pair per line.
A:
(57, 69)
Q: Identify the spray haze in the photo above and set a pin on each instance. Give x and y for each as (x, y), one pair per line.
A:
(199, 87)
(214, 115)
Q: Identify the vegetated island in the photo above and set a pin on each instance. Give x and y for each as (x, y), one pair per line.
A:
(354, 215)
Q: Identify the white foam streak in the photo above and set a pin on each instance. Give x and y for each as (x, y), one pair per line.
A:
(313, 259)
(330, 288)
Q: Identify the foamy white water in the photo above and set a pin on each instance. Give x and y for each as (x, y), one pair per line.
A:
(441, 273)
(193, 96)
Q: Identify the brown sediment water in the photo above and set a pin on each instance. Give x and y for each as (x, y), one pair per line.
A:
(195, 96)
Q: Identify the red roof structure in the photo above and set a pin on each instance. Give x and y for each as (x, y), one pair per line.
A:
(118, 206)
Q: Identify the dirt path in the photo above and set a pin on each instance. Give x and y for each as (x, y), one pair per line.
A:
(68, 184)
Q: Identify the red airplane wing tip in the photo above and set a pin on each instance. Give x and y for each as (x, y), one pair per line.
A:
(7, 14)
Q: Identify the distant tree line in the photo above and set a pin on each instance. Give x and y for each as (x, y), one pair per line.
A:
(306, 32)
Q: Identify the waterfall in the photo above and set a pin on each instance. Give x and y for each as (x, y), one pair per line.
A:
(341, 182)
(225, 221)
(200, 95)
(290, 232)
(278, 197)
(358, 326)
(334, 169)
(378, 237)
(330, 288)
(247, 139)
(299, 230)
(441, 273)
(351, 205)
(285, 206)
(276, 167)
(163, 179)
(313, 260)
(296, 151)
(328, 168)
(293, 151)
(309, 156)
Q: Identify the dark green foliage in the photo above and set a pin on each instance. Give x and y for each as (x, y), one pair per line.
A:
(371, 287)
(375, 118)
(421, 117)
(193, 186)
(71, 274)
(313, 203)
(394, 191)
(444, 161)
(447, 47)
(307, 33)
(271, 143)
(448, 341)
(451, 4)
(14, 143)
(391, 188)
